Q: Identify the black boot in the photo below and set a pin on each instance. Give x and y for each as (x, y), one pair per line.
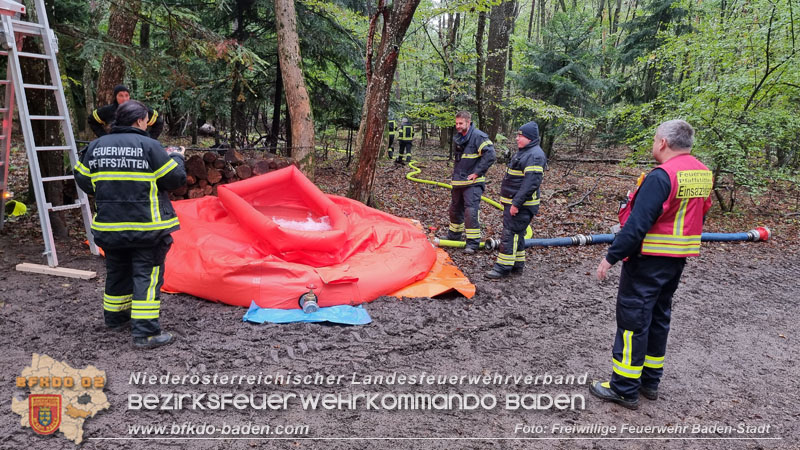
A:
(603, 391)
(148, 342)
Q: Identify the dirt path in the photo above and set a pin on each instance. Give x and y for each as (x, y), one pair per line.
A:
(732, 356)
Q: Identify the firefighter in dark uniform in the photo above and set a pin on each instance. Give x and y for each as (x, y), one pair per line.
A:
(404, 136)
(520, 197)
(392, 134)
(104, 117)
(663, 229)
(129, 174)
(474, 154)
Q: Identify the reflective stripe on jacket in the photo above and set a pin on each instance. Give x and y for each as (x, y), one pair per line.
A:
(129, 175)
(678, 229)
(406, 133)
(474, 153)
(524, 177)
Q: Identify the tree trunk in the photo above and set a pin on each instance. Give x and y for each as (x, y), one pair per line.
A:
(294, 86)
(481, 62)
(379, 84)
(501, 19)
(530, 19)
(121, 25)
(276, 109)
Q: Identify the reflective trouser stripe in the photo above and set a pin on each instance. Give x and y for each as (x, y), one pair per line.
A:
(149, 307)
(624, 367)
(508, 259)
(116, 303)
(456, 227)
(521, 256)
(626, 370)
(145, 309)
(473, 233)
(654, 362)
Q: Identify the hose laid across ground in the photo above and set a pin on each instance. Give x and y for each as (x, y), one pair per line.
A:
(755, 235)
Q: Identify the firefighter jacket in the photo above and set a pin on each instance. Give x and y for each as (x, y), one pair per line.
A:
(524, 176)
(104, 117)
(129, 175)
(393, 128)
(405, 133)
(474, 153)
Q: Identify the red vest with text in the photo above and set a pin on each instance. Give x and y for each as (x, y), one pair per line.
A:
(678, 229)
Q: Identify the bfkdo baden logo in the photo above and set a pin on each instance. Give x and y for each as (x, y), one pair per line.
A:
(44, 412)
(60, 398)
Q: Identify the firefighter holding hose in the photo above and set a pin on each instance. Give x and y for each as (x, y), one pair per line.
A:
(663, 228)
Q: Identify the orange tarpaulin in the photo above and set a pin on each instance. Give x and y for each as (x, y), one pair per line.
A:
(443, 277)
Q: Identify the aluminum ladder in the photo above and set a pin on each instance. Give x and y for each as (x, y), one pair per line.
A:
(14, 31)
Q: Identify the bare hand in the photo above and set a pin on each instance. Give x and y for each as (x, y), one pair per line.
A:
(180, 150)
(602, 269)
(472, 176)
(513, 210)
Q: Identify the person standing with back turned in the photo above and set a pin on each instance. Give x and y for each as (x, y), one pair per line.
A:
(664, 228)
(129, 175)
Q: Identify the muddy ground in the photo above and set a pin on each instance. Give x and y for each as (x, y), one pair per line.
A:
(732, 356)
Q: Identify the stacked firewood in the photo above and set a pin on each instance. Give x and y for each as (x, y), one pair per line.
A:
(204, 173)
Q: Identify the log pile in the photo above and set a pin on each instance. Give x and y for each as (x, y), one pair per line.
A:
(207, 171)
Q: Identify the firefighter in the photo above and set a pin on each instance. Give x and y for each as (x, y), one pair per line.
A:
(102, 118)
(663, 229)
(404, 136)
(129, 174)
(520, 197)
(392, 134)
(474, 154)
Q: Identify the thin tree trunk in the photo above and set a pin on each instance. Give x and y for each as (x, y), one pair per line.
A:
(530, 19)
(379, 84)
(121, 25)
(294, 85)
(501, 19)
(276, 109)
(480, 64)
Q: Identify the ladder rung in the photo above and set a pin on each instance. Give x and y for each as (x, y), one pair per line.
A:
(3, 110)
(46, 117)
(33, 55)
(4, 82)
(63, 207)
(52, 148)
(44, 87)
(26, 24)
(60, 178)
(23, 27)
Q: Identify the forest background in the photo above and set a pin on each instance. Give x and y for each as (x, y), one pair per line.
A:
(293, 77)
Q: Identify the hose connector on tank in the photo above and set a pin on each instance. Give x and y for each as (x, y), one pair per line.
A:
(760, 234)
(308, 301)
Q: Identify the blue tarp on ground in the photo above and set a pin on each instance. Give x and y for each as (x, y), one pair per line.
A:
(344, 314)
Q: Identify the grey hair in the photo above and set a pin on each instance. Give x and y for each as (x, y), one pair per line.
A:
(678, 133)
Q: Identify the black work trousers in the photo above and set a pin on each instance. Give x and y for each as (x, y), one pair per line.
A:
(405, 151)
(134, 277)
(511, 253)
(465, 205)
(644, 306)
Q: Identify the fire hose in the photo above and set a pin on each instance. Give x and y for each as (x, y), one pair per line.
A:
(754, 235)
